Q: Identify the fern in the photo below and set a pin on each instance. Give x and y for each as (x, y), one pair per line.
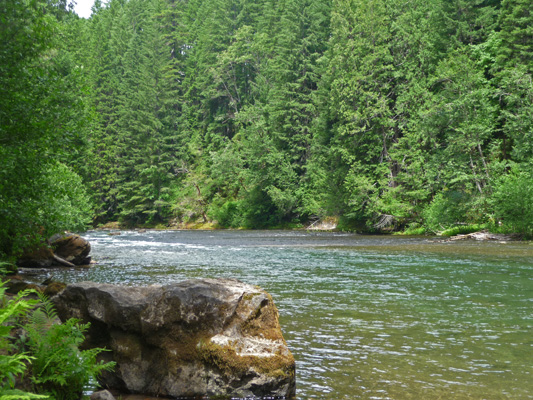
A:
(13, 365)
(59, 367)
(15, 394)
(47, 307)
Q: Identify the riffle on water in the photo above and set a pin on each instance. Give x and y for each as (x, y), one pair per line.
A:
(375, 317)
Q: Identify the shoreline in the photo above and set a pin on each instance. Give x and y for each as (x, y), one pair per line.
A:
(479, 235)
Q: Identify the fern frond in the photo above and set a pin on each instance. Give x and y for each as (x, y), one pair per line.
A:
(14, 364)
(48, 307)
(15, 394)
(14, 307)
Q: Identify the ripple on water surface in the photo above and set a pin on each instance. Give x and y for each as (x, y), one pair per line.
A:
(366, 317)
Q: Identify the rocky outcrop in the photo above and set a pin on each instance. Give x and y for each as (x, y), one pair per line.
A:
(194, 338)
(64, 250)
(71, 247)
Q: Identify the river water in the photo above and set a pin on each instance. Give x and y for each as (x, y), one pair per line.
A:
(366, 317)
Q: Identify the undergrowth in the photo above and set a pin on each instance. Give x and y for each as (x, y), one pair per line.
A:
(12, 364)
(59, 367)
(46, 354)
(463, 229)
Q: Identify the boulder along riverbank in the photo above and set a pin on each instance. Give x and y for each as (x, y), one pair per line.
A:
(210, 337)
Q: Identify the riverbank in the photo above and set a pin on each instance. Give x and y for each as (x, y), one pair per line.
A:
(331, 224)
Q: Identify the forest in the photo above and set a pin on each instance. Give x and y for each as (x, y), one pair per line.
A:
(384, 115)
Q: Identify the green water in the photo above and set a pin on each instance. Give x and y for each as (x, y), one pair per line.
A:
(365, 317)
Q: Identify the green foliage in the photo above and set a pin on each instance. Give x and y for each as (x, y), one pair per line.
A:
(227, 215)
(463, 229)
(512, 201)
(13, 365)
(515, 21)
(516, 91)
(446, 210)
(58, 366)
(56, 201)
(53, 360)
(261, 113)
(258, 113)
(42, 118)
(414, 230)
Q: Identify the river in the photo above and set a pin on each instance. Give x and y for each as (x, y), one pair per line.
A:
(366, 317)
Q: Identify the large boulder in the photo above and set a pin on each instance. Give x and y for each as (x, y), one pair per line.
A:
(71, 247)
(65, 250)
(194, 338)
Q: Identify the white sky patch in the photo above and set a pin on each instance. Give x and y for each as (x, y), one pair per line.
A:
(83, 8)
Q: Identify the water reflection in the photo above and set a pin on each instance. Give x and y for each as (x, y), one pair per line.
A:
(366, 317)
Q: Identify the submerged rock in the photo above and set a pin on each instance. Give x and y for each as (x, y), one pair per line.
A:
(15, 284)
(194, 338)
(53, 288)
(102, 395)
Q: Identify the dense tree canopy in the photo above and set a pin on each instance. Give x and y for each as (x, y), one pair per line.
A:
(42, 116)
(386, 114)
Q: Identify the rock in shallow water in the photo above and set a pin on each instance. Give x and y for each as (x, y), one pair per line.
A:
(65, 250)
(215, 337)
(71, 247)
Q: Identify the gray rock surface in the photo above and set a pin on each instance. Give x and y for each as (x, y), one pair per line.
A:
(102, 395)
(193, 338)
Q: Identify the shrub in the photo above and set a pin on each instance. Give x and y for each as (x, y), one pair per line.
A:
(413, 229)
(228, 215)
(446, 210)
(59, 367)
(512, 201)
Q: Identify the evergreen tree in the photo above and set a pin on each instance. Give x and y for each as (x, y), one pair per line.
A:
(104, 61)
(516, 33)
(276, 138)
(512, 57)
(145, 161)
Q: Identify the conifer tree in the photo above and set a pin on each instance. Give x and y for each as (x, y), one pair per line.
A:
(104, 57)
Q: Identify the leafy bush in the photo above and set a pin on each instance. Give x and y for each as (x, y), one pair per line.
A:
(53, 201)
(512, 201)
(259, 211)
(446, 210)
(228, 215)
(413, 229)
(58, 367)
